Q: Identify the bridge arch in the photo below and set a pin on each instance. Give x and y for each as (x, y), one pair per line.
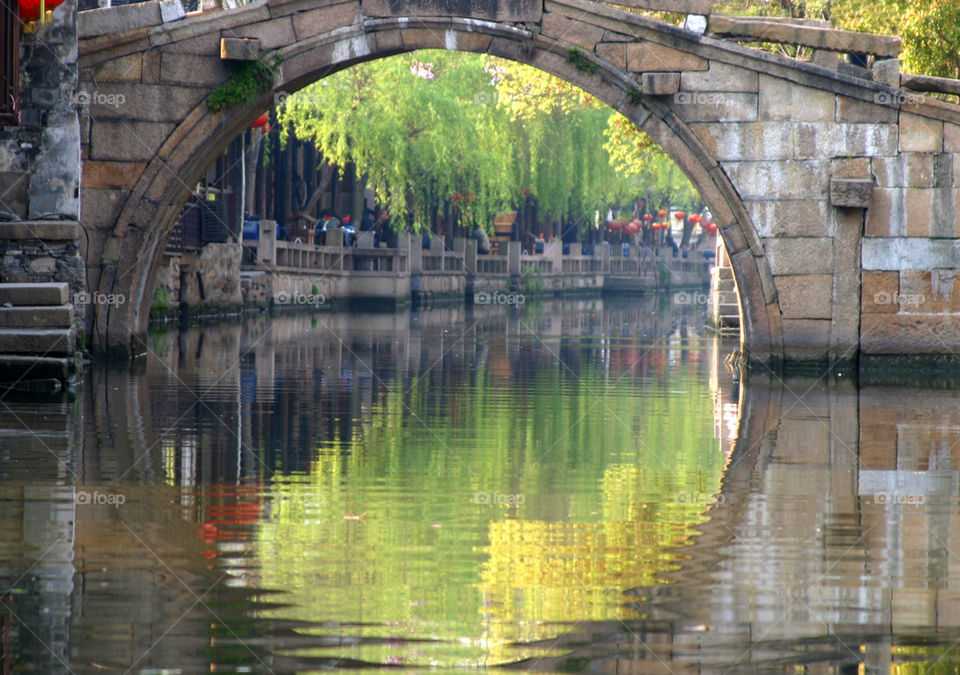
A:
(132, 201)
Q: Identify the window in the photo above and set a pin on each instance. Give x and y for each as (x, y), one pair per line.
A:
(9, 60)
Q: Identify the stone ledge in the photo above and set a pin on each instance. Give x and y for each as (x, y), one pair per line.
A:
(30, 372)
(96, 22)
(851, 192)
(44, 230)
(45, 342)
(30, 295)
(56, 316)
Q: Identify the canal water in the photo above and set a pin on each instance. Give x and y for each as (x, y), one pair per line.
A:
(581, 485)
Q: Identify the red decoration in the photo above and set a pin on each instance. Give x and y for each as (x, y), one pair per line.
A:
(695, 218)
(30, 9)
(457, 196)
(647, 216)
(679, 214)
(615, 225)
(711, 228)
(261, 121)
(662, 213)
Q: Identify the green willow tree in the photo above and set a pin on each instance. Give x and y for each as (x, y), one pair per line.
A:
(436, 133)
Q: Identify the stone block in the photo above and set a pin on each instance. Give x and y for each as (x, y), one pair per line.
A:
(14, 187)
(887, 71)
(807, 296)
(124, 69)
(721, 77)
(123, 175)
(812, 140)
(171, 10)
(951, 138)
(899, 334)
(46, 341)
(790, 217)
(910, 253)
(614, 52)
(791, 179)
(508, 11)
(926, 291)
(867, 112)
(852, 167)
(100, 207)
(783, 100)
(649, 56)
(919, 211)
(127, 141)
(885, 213)
(27, 295)
(801, 255)
(272, 34)
(47, 231)
(910, 169)
(36, 317)
(806, 339)
(111, 20)
(191, 69)
(564, 29)
(323, 20)
(851, 192)
(660, 84)
(748, 140)
(239, 49)
(920, 134)
(695, 106)
(878, 292)
(140, 103)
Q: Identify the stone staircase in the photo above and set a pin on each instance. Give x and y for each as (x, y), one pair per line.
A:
(724, 300)
(38, 336)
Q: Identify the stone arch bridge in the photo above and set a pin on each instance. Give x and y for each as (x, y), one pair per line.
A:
(837, 192)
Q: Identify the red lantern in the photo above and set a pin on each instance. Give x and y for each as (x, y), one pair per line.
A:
(655, 226)
(30, 9)
(662, 213)
(615, 225)
(679, 214)
(695, 218)
(261, 121)
(632, 227)
(647, 216)
(711, 228)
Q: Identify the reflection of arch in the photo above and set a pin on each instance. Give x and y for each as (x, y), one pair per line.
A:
(130, 245)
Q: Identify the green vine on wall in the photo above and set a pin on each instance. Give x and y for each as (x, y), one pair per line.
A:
(248, 81)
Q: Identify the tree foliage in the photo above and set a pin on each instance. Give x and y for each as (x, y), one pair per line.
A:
(434, 129)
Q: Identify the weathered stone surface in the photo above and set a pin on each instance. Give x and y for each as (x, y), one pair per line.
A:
(816, 140)
(885, 214)
(319, 21)
(579, 33)
(919, 203)
(887, 71)
(806, 339)
(50, 230)
(127, 141)
(272, 34)
(26, 295)
(118, 19)
(47, 341)
(720, 77)
(800, 255)
(807, 296)
(97, 174)
(660, 84)
(857, 111)
(853, 167)
(910, 253)
(901, 334)
(145, 102)
(36, 317)
(783, 100)
(239, 49)
(698, 106)
(851, 192)
(920, 134)
(171, 10)
(913, 169)
(496, 10)
(614, 52)
(790, 217)
(785, 180)
(124, 69)
(648, 56)
(951, 138)
(879, 291)
(928, 291)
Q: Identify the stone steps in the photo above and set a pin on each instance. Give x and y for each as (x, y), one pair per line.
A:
(27, 295)
(38, 336)
(37, 316)
(38, 341)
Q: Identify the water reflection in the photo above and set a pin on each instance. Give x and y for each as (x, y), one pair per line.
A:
(452, 488)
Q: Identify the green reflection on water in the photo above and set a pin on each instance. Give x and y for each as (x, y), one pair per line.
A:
(486, 513)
